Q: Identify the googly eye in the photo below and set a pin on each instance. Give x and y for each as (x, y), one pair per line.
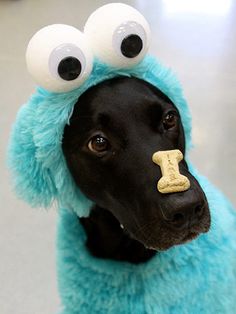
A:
(58, 58)
(67, 61)
(118, 35)
(128, 39)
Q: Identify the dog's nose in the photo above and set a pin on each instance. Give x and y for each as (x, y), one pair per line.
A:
(186, 216)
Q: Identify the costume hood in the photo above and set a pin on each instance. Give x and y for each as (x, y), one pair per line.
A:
(38, 165)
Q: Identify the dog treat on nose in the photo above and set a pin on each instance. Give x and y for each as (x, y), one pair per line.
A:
(171, 181)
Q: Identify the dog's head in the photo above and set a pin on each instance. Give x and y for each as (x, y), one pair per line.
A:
(115, 128)
(111, 107)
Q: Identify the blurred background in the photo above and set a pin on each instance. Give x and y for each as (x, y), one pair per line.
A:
(197, 38)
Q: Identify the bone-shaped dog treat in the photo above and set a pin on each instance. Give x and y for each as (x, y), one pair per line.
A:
(171, 180)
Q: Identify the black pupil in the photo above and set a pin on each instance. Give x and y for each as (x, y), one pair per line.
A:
(69, 68)
(169, 120)
(131, 46)
(99, 144)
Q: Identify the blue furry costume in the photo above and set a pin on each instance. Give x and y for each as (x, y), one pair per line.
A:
(198, 277)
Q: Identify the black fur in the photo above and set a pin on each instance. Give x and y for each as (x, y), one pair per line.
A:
(130, 114)
(106, 238)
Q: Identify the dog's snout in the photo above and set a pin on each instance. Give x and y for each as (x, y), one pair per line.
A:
(185, 216)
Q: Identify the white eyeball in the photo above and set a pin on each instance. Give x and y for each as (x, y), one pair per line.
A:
(58, 58)
(118, 35)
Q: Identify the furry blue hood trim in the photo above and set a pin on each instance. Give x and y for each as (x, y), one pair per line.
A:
(39, 169)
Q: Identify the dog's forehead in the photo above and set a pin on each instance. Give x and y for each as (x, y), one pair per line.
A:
(122, 94)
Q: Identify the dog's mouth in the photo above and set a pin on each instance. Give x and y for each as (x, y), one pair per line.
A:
(164, 239)
(163, 247)
(185, 239)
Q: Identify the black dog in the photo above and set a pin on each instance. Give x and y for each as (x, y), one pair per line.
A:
(115, 128)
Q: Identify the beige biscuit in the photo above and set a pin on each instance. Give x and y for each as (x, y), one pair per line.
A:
(171, 181)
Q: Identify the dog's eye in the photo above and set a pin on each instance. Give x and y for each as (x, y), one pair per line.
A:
(59, 58)
(170, 121)
(99, 145)
(118, 34)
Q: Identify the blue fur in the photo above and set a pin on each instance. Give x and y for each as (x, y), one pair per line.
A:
(199, 277)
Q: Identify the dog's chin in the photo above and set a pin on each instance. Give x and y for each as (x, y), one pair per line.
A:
(167, 244)
(191, 236)
(164, 239)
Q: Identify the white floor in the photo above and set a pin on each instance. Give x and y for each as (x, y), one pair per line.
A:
(197, 38)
